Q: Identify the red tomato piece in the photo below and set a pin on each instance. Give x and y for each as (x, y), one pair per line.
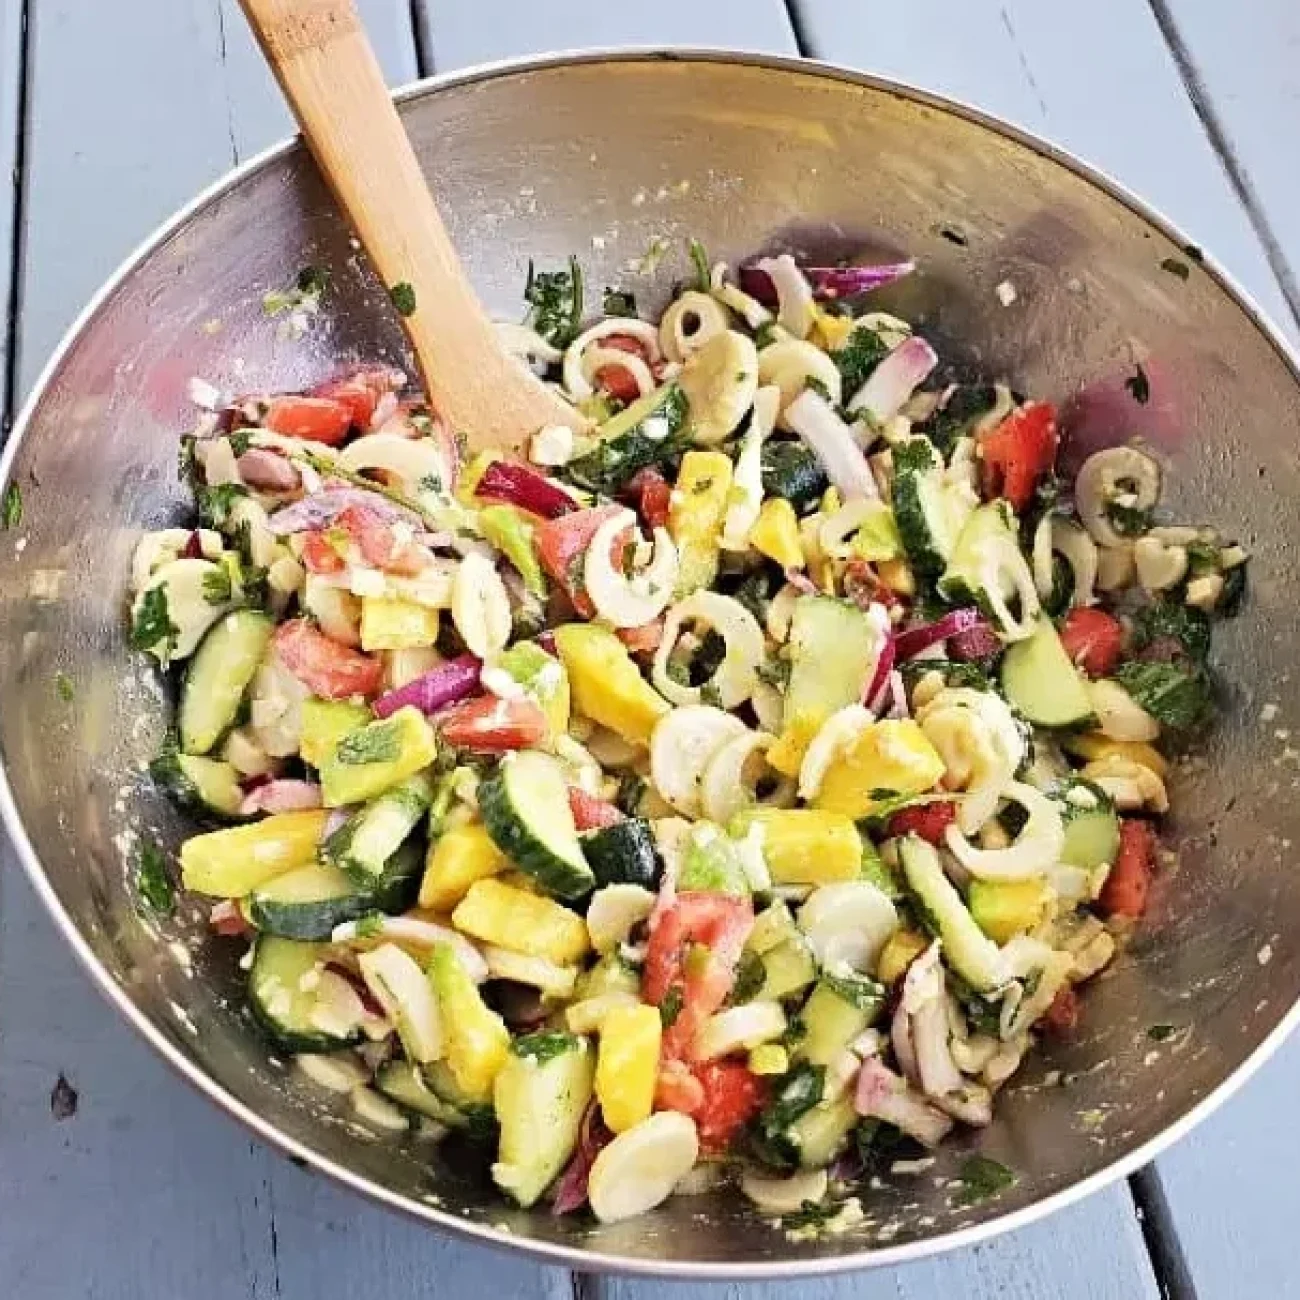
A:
(628, 343)
(619, 383)
(1018, 452)
(1126, 888)
(314, 419)
(733, 1095)
(361, 392)
(590, 813)
(653, 495)
(644, 638)
(678, 1089)
(372, 533)
(862, 586)
(326, 668)
(489, 725)
(318, 556)
(227, 920)
(691, 962)
(1093, 640)
(928, 820)
(1062, 1017)
(561, 545)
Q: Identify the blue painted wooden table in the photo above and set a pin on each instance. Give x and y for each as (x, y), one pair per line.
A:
(111, 115)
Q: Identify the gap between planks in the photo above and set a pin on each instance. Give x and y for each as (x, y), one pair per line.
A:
(12, 284)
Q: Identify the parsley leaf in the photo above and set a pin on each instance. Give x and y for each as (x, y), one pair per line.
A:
(556, 300)
(12, 512)
(154, 881)
(544, 1046)
(983, 1178)
(377, 742)
(671, 1007)
(1139, 385)
(152, 627)
(1177, 696)
(619, 302)
(215, 503)
(1171, 620)
(403, 296)
(862, 352)
(216, 586)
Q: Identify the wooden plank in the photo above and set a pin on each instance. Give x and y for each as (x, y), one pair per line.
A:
(1096, 78)
(161, 1188)
(1062, 1259)
(461, 34)
(1243, 73)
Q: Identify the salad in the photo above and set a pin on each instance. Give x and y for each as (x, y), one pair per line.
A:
(738, 789)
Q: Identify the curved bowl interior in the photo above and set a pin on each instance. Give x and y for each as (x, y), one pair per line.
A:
(748, 154)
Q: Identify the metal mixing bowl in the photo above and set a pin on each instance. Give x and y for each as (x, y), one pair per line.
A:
(601, 154)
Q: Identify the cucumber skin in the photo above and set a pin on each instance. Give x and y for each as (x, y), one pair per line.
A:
(557, 875)
(170, 776)
(792, 471)
(195, 667)
(623, 854)
(290, 1040)
(337, 849)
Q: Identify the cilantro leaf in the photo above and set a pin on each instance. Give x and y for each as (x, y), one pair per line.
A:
(154, 881)
(216, 502)
(862, 352)
(1177, 696)
(982, 1178)
(152, 627)
(377, 742)
(556, 302)
(544, 1046)
(11, 514)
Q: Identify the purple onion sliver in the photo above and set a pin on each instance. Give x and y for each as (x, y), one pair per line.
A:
(435, 689)
(517, 485)
(758, 284)
(874, 694)
(321, 509)
(917, 639)
(894, 380)
(547, 641)
(845, 281)
(977, 643)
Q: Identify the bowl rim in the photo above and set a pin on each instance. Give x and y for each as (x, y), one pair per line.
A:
(577, 1257)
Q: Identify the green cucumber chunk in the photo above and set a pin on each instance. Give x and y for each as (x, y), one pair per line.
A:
(218, 676)
(362, 846)
(832, 650)
(306, 903)
(623, 854)
(525, 807)
(203, 785)
(929, 510)
(1042, 684)
(1091, 826)
(280, 1004)
(837, 1011)
(625, 444)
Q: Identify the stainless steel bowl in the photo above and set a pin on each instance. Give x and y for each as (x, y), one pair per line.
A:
(602, 154)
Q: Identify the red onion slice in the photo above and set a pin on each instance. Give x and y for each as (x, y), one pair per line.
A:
(894, 380)
(911, 643)
(571, 1190)
(321, 509)
(281, 796)
(517, 485)
(873, 696)
(815, 420)
(435, 689)
(828, 282)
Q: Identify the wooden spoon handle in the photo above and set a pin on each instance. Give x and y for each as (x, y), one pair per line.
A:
(324, 63)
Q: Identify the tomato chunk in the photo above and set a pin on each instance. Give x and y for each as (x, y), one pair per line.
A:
(1093, 640)
(1126, 888)
(361, 392)
(644, 637)
(1062, 1017)
(562, 544)
(318, 556)
(489, 725)
(653, 495)
(590, 813)
(1019, 452)
(314, 419)
(690, 964)
(326, 668)
(733, 1095)
(928, 820)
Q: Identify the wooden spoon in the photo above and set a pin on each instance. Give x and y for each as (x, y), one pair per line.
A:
(327, 69)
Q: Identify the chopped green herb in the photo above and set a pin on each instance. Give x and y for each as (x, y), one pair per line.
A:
(983, 1178)
(671, 1007)
(556, 300)
(765, 334)
(1203, 558)
(857, 990)
(254, 584)
(1176, 695)
(711, 694)
(1162, 1033)
(154, 881)
(1139, 385)
(217, 586)
(811, 1215)
(751, 975)
(313, 281)
(240, 439)
(700, 261)
(13, 506)
(544, 1046)
(215, 503)
(370, 925)
(1128, 521)
(862, 352)
(817, 386)
(377, 742)
(403, 296)
(619, 302)
(775, 671)
(63, 684)
(1176, 267)
(1169, 619)
(152, 627)
(308, 289)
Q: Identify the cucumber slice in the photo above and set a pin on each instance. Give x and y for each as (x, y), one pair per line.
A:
(541, 1095)
(627, 444)
(1091, 826)
(1042, 683)
(306, 903)
(833, 649)
(821, 1133)
(525, 807)
(407, 1085)
(970, 952)
(280, 1004)
(362, 846)
(838, 1010)
(792, 470)
(930, 511)
(204, 785)
(477, 1119)
(218, 676)
(623, 854)
(788, 969)
(711, 863)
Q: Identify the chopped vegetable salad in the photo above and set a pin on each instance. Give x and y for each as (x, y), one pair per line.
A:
(740, 787)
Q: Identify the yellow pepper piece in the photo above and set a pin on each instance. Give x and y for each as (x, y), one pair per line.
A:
(695, 518)
(901, 949)
(607, 686)
(786, 756)
(776, 533)
(1093, 747)
(897, 576)
(829, 332)
(230, 863)
(892, 755)
(460, 856)
(803, 846)
(522, 922)
(627, 1064)
(477, 1040)
(467, 484)
(1006, 908)
(831, 501)
(391, 624)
